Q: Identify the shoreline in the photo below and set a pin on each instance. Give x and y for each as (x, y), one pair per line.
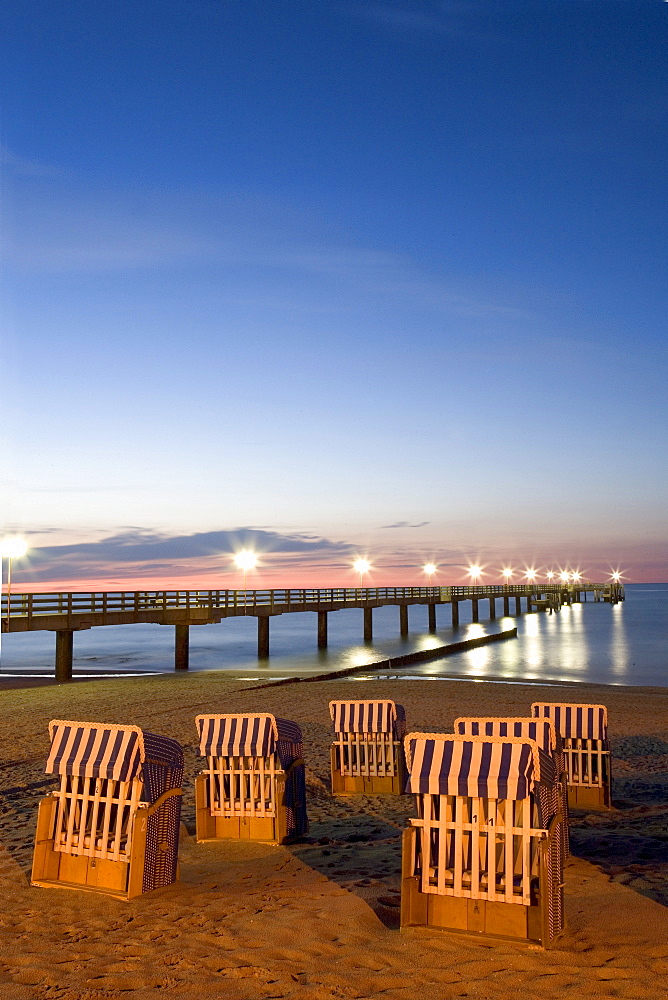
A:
(15, 682)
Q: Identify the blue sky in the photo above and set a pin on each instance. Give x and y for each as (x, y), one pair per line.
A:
(315, 270)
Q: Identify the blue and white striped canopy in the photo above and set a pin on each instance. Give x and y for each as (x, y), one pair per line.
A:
(238, 735)
(366, 716)
(101, 750)
(94, 751)
(481, 767)
(589, 722)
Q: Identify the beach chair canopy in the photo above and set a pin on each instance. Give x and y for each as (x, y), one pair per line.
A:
(476, 766)
(542, 731)
(120, 753)
(253, 735)
(368, 717)
(588, 722)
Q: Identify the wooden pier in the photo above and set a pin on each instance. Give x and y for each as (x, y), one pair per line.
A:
(67, 613)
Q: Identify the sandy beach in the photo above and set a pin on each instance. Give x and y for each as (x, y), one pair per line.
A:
(319, 919)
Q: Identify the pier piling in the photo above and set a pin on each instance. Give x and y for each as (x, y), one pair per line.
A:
(322, 630)
(368, 624)
(432, 617)
(403, 620)
(64, 654)
(263, 637)
(181, 647)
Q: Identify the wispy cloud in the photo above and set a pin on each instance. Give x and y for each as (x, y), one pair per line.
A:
(423, 17)
(143, 553)
(406, 524)
(273, 251)
(21, 166)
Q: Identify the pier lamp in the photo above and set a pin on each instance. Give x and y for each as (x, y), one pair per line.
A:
(564, 576)
(550, 575)
(577, 577)
(507, 574)
(361, 566)
(530, 575)
(10, 548)
(429, 569)
(616, 576)
(475, 572)
(245, 560)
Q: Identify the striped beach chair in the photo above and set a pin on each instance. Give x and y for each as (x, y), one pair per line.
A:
(583, 730)
(253, 787)
(113, 824)
(544, 733)
(484, 855)
(367, 755)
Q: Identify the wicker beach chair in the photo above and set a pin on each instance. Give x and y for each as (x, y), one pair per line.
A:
(583, 730)
(484, 855)
(544, 733)
(367, 755)
(253, 787)
(113, 824)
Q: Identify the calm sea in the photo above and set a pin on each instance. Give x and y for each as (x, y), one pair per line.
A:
(622, 644)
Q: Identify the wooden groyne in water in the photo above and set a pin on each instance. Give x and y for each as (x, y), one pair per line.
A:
(393, 662)
(67, 613)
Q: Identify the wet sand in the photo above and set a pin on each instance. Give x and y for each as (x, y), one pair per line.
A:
(319, 919)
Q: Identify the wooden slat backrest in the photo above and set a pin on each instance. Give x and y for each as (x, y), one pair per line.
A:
(242, 786)
(94, 816)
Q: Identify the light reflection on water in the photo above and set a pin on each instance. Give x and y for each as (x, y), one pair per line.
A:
(623, 644)
(619, 645)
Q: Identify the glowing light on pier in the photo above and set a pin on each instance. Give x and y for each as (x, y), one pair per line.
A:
(475, 572)
(245, 560)
(616, 576)
(550, 575)
(361, 566)
(531, 575)
(507, 573)
(11, 547)
(564, 576)
(429, 569)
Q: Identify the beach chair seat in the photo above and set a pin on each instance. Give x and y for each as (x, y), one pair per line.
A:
(583, 730)
(544, 732)
(113, 823)
(484, 856)
(254, 785)
(367, 755)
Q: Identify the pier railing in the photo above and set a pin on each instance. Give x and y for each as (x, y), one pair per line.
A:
(34, 605)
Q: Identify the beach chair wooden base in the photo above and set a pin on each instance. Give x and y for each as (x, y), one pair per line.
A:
(347, 784)
(589, 797)
(430, 912)
(57, 869)
(268, 829)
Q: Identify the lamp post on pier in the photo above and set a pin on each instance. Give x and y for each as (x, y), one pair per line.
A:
(10, 548)
(361, 566)
(245, 560)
